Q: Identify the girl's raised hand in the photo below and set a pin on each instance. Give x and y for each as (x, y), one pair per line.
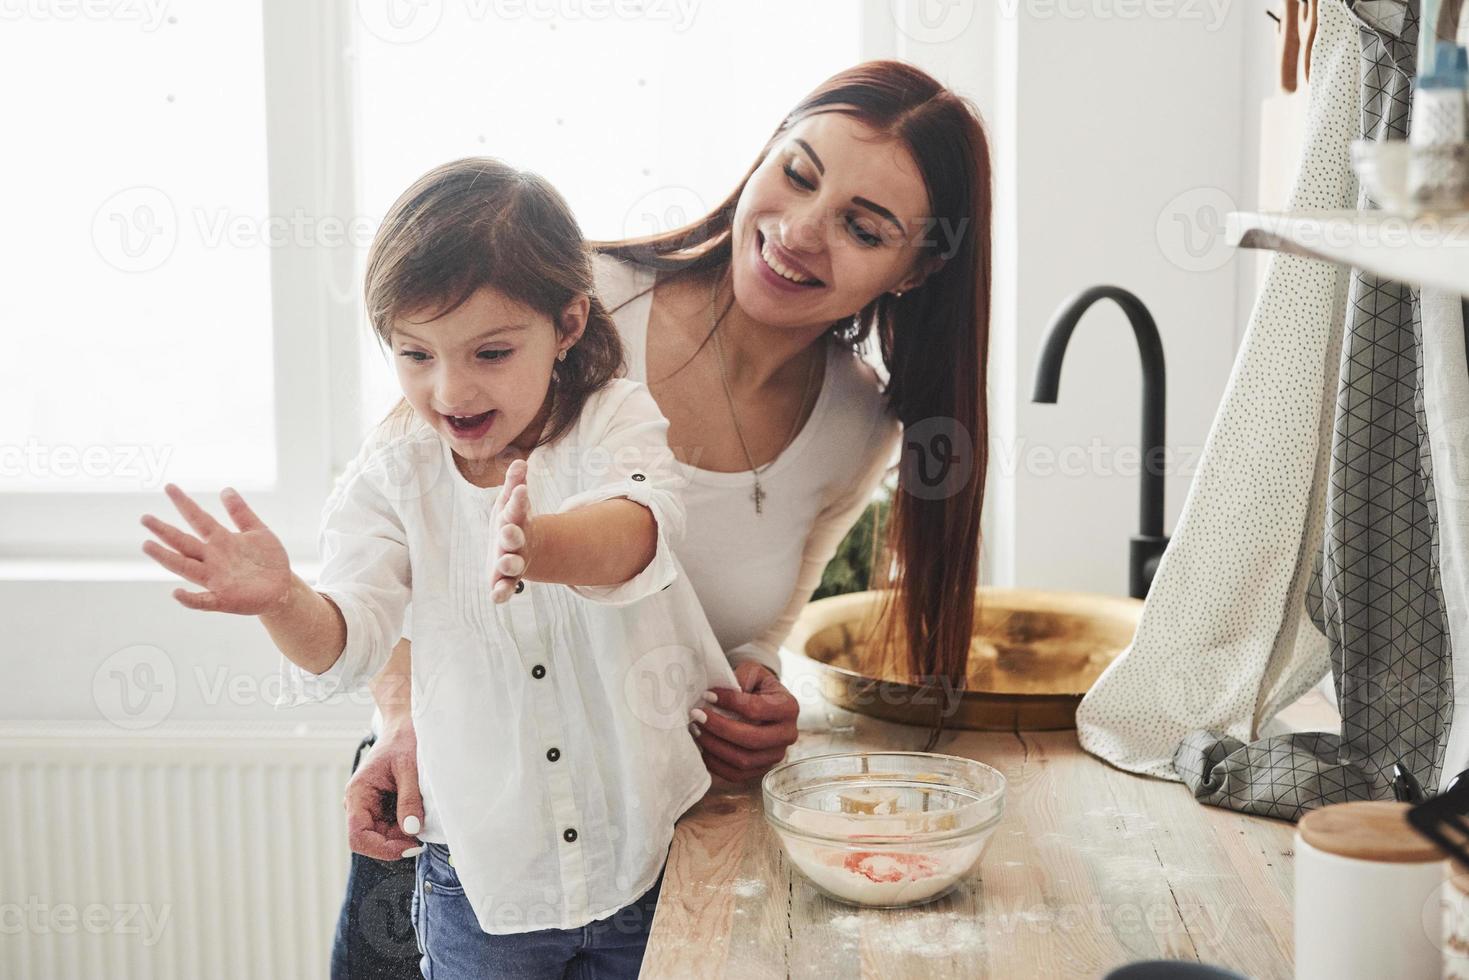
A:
(245, 572)
(508, 551)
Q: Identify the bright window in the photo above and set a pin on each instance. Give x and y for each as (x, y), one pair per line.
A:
(136, 314)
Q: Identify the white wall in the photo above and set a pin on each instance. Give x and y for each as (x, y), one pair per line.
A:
(114, 658)
(1120, 129)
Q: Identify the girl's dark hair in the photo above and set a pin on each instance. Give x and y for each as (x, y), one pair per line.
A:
(477, 222)
(933, 340)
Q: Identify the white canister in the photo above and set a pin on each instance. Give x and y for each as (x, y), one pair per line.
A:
(1367, 895)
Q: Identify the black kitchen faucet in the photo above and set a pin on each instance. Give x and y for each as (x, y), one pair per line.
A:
(1147, 546)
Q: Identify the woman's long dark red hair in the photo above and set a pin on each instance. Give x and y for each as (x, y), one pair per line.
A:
(934, 341)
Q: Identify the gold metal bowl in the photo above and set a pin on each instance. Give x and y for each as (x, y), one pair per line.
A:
(1033, 657)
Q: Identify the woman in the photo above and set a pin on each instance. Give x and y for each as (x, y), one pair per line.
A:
(867, 210)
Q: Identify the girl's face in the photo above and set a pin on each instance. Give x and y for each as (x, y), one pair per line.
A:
(829, 220)
(481, 375)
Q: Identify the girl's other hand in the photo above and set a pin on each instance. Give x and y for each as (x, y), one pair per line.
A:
(509, 551)
(245, 572)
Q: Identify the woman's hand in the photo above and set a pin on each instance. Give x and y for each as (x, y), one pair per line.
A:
(245, 572)
(743, 748)
(508, 541)
(384, 807)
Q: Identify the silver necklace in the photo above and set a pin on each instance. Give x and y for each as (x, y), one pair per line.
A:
(759, 493)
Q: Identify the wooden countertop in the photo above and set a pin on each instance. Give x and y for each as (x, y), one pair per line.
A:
(1091, 867)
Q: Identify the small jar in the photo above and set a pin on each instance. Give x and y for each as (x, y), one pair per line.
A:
(1368, 901)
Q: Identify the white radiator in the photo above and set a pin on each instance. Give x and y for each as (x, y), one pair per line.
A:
(193, 852)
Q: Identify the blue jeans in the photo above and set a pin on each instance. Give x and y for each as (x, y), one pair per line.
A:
(454, 946)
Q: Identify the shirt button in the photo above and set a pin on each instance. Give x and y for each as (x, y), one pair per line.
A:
(519, 587)
(570, 835)
(553, 754)
(538, 671)
(639, 477)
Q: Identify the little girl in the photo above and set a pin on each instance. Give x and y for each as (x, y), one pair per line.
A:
(524, 497)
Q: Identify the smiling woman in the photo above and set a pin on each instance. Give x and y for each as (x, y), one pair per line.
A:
(875, 185)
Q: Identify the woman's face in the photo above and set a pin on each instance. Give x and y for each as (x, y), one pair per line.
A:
(828, 221)
(480, 374)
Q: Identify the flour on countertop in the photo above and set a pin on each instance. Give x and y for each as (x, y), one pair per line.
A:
(749, 887)
(931, 935)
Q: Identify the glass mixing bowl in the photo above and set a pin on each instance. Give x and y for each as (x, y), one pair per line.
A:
(884, 829)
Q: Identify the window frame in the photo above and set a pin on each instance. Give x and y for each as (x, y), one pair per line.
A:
(314, 307)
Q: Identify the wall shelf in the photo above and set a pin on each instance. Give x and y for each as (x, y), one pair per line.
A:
(1425, 251)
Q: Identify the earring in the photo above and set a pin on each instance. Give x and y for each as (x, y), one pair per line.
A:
(561, 356)
(898, 293)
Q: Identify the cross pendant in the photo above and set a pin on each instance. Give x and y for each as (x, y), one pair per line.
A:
(759, 497)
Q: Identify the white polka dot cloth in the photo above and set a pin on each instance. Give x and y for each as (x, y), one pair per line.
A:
(1225, 612)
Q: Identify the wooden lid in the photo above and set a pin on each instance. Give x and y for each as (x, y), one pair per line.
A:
(1367, 831)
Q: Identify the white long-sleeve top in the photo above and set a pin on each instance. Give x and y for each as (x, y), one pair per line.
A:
(755, 573)
(553, 745)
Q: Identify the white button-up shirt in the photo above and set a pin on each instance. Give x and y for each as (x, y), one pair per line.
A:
(553, 745)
